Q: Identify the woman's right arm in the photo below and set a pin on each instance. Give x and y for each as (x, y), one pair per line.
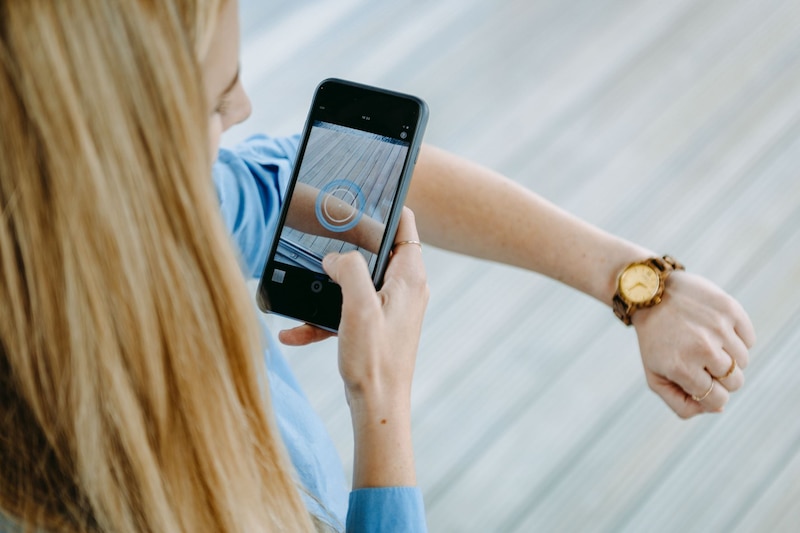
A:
(378, 338)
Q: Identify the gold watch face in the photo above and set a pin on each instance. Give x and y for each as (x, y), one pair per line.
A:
(639, 284)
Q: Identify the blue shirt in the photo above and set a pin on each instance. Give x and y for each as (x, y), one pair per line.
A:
(250, 182)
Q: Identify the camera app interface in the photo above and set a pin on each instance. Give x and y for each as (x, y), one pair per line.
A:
(343, 196)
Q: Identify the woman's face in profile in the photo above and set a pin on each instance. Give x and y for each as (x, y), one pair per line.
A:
(228, 103)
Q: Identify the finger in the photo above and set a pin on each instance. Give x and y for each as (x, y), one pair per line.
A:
(406, 262)
(303, 335)
(729, 375)
(674, 396)
(696, 385)
(407, 253)
(712, 397)
(407, 227)
(738, 348)
(743, 327)
(350, 272)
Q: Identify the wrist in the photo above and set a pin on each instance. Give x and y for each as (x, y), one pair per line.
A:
(613, 265)
(367, 409)
(641, 284)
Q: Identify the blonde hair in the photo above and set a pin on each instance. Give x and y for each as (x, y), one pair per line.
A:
(129, 373)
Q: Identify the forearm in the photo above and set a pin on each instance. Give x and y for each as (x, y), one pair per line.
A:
(463, 207)
(378, 338)
(383, 454)
(696, 335)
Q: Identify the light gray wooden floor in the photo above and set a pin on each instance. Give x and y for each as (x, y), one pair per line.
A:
(675, 124)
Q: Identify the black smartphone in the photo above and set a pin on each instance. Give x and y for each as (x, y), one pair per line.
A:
(347, 191)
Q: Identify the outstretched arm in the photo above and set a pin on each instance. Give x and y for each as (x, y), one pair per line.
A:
(466, 208)
(694, 334)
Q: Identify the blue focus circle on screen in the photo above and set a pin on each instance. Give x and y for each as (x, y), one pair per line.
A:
(336, 194)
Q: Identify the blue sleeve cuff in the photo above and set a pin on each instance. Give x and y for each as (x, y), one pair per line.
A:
(386, 510)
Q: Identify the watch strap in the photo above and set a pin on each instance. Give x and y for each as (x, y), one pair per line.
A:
(622, 309)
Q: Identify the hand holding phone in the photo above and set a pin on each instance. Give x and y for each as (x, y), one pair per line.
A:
(347, 190)
(379, 331)
(378, 339)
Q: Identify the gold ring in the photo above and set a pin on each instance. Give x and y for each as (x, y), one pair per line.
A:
(400, 243)
(729, 372)
(704, 396)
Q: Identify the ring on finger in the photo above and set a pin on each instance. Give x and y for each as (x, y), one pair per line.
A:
(729, 372)
(407, 242)
(704, 396)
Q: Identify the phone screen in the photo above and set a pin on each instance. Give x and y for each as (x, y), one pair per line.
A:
(349, 183)
(351, 176)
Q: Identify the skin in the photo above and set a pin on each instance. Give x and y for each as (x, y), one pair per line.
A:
(378, 338)
(693, 335)
(379, 331)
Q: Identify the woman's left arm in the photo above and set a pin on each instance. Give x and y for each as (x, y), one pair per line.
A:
(697, 329)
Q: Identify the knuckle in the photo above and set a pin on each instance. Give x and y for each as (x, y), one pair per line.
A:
(415, 279)
(731, 307)
(736, 384)
(420, 281)
(423, 291)
(702, 345)
(680, 373)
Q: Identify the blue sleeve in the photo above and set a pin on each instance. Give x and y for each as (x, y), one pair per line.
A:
(251, 180)
(386, 510)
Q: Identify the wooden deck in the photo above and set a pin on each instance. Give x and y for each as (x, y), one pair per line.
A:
(675, 124)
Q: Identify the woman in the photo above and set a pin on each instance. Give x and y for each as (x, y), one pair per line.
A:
(133, 398)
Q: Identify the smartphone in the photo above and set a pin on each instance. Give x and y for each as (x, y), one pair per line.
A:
(347, 190)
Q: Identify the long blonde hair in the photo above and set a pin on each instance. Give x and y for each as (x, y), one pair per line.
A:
(129, 374)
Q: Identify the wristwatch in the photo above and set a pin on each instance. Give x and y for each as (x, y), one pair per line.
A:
(641, 284)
